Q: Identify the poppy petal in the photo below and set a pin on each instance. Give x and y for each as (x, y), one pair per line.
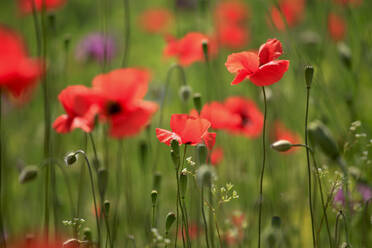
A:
(240, 77)
(194, 130)
(247, 61)
(62, 124)
(209, 140)
(166, 136)
(269, 51)
(270, 73)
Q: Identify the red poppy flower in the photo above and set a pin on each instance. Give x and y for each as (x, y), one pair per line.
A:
(194, 231)
(216, 156)
(251, 118)
(18, 72)
(81, 106)
(283, 133)
(155, 20)
(336, 27)
(122, 106)
(187, 129)
(189, 48)
(262, 69)
(232, 36)
(218, 115)
(291, 10)
(26, 5)
(38, 242)
(232, 12)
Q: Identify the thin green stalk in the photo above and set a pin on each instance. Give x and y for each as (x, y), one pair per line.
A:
(93, 194)
(183, 209)
(322, 199)
(2, 232)
(118, 187)
(127, 33)
(203, 214)
(211, 227)
(262, 169)
(308, 164)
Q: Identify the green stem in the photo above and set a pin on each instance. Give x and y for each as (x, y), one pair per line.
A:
(2, 232)
(308, 165)
(127, 33)
(262, 169)
(203, 214)
(93, 194)
(118, 187)
(211, 226)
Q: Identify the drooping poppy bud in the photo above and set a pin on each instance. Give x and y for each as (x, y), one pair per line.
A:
(171, 217)
(185, 93)
(197, 102)
(106, 207)
(281, 145)
(154, 196)
(70, 158)
(87, 234)
(321, 136)
(175, 152)
(28, 174)
(309, 72)
(345, 54)
(205, 175)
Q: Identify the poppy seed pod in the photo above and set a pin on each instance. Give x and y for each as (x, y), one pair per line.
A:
(202, 153)
(28, 174)
(70, 158)
(169, 220)
(276, 221)
(345, 54)
(205, 175)
(309, 72)
(102, 180)
(71, 243)
(106, 207)
(197, 102)
(183, 183)
(281, 145)
(185, 93)
(175, 153)
(321, 136)
(154, 196)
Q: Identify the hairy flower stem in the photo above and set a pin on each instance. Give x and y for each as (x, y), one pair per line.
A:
(2, 231)
(203, 215)
(47, 121)
(211, 226)
(127, 33)
(262, 169)
(93, 194)
(308, 164)
(322, 199)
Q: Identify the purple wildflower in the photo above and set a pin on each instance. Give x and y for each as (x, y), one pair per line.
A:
(96, 46)
(339, 198)
(365, 191)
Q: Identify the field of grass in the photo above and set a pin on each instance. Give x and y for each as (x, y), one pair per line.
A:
(129, 189)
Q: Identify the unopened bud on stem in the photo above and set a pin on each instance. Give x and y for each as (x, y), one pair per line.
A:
(281, 145)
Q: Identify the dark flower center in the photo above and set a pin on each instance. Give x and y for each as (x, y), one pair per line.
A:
(245, 120)
(113, 108)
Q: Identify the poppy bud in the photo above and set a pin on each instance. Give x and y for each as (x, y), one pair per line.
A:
(171, 217)
(197, 102)
(143, 152)
(281, 145)
(175, 153)
(52, 21)
(154, 196)
(70, 158)
(276, 221)
(28, 174)
(71, 243)
(321, 136)
(87, 234)
(183, 183)
(204, 175)
(202, 153)
(157, 181)
(345, 54)
(95, 162)
(102, 181)
(67, 41)
(106, 207)
(205, 48)
(309, 72)
(185, 92)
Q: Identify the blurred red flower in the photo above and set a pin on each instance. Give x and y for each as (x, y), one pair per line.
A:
(251, 118)
(123, 106)
(262, 69)
(18, 72)
(230, 22)
(291, 10)
(216, 156)
(38, 242)
(232, 12)
(283, 133)
(26, 6)
(189, 48)
(81, 106)
(218, 115)
(194, 231)
(336, 27)
(155, 20)
(187, 129)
